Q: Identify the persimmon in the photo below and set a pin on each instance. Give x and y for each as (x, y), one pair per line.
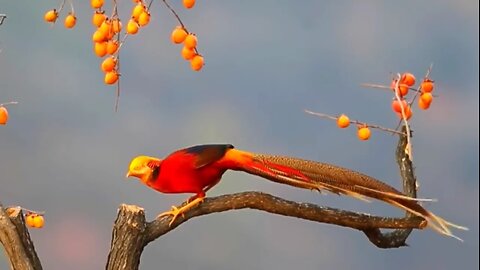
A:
(112, 46)
(38, 221)
(98, 18)
(396, 105)
(106, 27)
(108, 64)
(408, 79)
(190, 41)
(96, 3)
(137, 11)
(408, 113)
(30, 220)
(197, 62)
(427, 85)
(111, 77)
(363, 133)
(116, 25)
(51, 16)
(343, 121)
(144, 18)
(188, 3)
(100, 48)
(3, 115)
(70, 21)
(132, 27)
(187, 53)
(422, 105)
(403, 90)
(426, 97)
(99, 36)
(178, 35)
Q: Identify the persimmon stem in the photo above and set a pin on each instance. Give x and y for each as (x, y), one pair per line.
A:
(393, 131)
(175, 13)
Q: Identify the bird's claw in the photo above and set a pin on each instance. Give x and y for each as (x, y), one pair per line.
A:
(174, 212)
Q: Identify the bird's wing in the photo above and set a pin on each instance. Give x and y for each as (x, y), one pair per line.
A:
(207, 153)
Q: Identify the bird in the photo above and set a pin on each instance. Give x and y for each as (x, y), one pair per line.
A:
(198, 168)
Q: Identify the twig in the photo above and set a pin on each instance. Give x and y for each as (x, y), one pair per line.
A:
(174, 13)
(356, 122)
(2, 18)
(408, 147)
(8, 103)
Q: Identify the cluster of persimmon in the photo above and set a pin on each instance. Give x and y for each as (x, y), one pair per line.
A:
(189, 51)
(105, 40)
(401, 89)
(34, 220)
(3, 115)
(363, 132)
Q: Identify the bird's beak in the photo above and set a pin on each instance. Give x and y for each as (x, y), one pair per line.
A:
(128, 174)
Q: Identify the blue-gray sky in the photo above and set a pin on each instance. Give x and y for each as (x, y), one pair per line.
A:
(66, 152)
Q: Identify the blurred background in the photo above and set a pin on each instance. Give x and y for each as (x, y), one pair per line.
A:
(66, 151)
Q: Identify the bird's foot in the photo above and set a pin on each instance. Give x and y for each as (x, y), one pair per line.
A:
(175, 211)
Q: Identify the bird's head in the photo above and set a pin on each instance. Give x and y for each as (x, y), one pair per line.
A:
(143, 167)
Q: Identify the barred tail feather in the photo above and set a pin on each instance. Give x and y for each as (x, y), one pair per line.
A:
(320, 176)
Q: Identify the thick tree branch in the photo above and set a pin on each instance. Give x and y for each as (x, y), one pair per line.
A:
(16, 240)
(275, 205)
(398, 237)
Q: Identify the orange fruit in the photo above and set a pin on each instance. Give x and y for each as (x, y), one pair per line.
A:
(343, 121)
(3, 116)
(30, 220)
(188, 3)
(144, 18)
(197, 62)
(100, 48)
(190, 41)
(38, 221)
(96, 3)
(98, 18)
(51, 16)
(187, 53)
(106, 27)
(408, 79)
(403, 90)
(132, 27)
(137, 11)
(427, 85)
(422, 105)
(112, 46)
(408, 113)
(111, 77)
(116, 25)
(426, 98)
(70, 21)
(178, 35)
(363, 133)
(108, 64)
(396, 105)
(99, 36)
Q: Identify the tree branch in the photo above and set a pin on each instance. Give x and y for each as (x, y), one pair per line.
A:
(16, 240)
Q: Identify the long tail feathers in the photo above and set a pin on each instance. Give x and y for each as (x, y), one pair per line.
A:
(320, 176)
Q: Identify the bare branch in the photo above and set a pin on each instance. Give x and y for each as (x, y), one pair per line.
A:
(275, 205)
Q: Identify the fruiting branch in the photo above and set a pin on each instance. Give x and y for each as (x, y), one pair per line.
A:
(359, 123)
(174, 13)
